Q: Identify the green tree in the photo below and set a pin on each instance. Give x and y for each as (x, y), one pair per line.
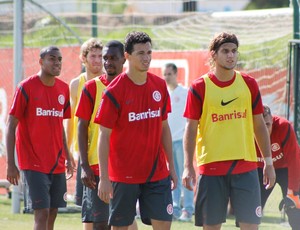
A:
(267, 4)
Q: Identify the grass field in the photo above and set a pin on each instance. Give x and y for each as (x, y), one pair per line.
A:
(72, 221)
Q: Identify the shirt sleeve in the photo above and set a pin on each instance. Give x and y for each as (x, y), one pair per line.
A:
(167, 105)
(257, 105)
(86, 101)
(108, 111)
(19, 102)
(67, 110)
(194, 101)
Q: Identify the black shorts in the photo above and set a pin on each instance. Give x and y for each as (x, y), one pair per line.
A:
(155, 202)
(46, 190)
(213, 193)
(93, 209)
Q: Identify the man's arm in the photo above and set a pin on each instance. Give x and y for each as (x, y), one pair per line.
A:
(12, 171)
(105, 190)
(73, 102)
(166, 140)
(70, 161)
(189, 144)
(87, 175)
(263, 140)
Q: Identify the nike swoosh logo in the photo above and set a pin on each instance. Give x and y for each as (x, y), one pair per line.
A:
(96, 214)
(223, 103)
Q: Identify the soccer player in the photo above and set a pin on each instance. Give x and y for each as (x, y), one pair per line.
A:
(286, 160)
(91, 58)
(135, 142)
(178, 95)
(95, 210)
(224, 114)
(35, 126)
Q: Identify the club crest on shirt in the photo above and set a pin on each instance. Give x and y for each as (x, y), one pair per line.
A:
(275, 147)
(156, 96)
(61, 99)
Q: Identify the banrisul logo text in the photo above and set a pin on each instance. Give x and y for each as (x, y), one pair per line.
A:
(132, 116)
(49, 112)
(229, 116)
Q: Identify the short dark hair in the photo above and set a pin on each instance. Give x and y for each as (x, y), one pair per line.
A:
(47, 50)
(117, 44)
(222, 38)
(171, 65)
(135, 37)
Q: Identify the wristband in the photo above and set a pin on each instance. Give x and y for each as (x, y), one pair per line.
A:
(268, 160)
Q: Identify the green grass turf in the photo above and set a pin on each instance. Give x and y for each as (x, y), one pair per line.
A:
(64, 221)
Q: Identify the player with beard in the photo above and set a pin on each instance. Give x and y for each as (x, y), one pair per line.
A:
(93, 209)
(91, 58)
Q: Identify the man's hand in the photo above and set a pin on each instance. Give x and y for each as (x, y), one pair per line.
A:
(189, 178)
(87, 176)
(70, 167)
(269, 177)
(105, 190)
(13, 174)
(72, 160)
(174, 179)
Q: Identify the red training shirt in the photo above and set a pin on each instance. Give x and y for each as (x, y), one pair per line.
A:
(40, 110)
(285, 151)
(135, 114)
